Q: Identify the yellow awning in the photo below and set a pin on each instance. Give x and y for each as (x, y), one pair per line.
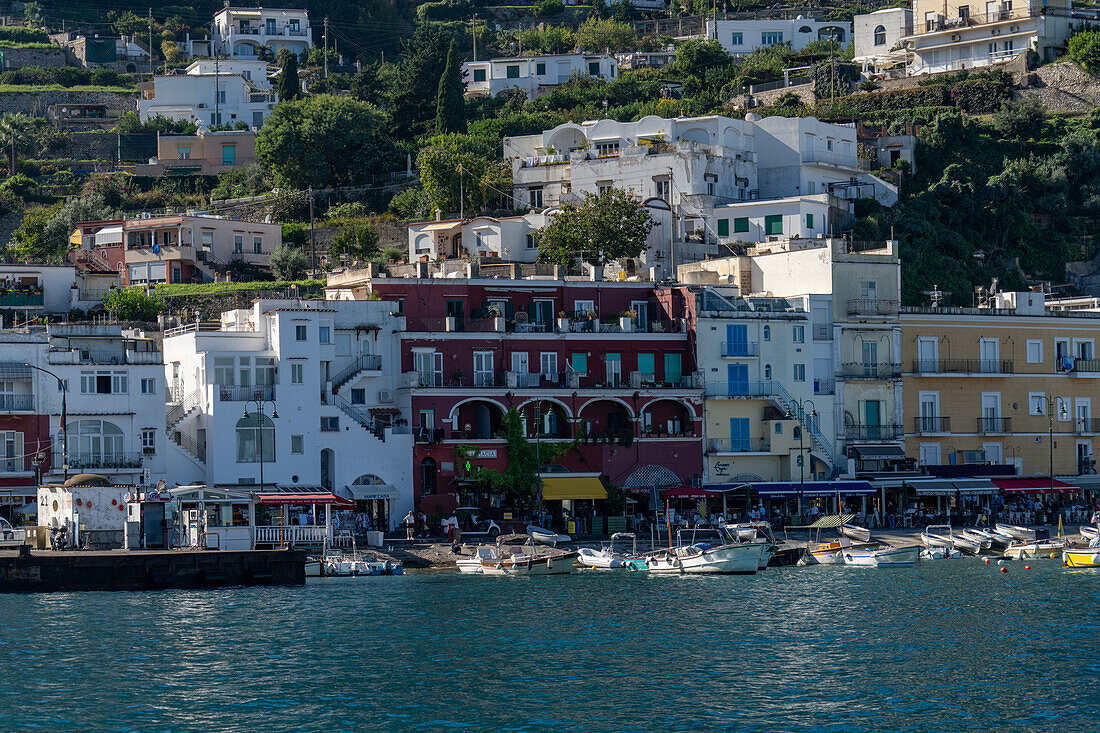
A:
(441, 226)
(556, 488)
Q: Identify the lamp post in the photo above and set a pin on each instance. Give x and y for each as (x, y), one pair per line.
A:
(801, 404)
(64, 412)
(260, 428)
(1050, 402)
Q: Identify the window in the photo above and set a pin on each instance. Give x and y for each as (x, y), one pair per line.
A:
(149, 385)
(103, 382)
(737, 39)
(662, 189)
(96, 442)
(672, 369)
(880, 35)
(534, 198)
(299, 333)
(739, 434)
(594, 68)
(258, 245)
(767, 332)
(183, 152)
(479, 74)
(224, 372)
(532, 241)
(255, 438)
(293, 25)
(741, 224)
(809, 221)
(149, 440)
(483, 369)
(324, 334)
(221, 96)
(647, 368)
(265, 370)
(512, 71)
(800, 372)
(295, 373)
(207, 238)
(798, 334)
(358, 396)
(1034, 351)
(548, 364)
(1082, 349)
(607, 148)
(238, 243)
(229, 154)
(723, 227)
(540, 69)
(297, 446)
(11, 451)
(613, 369)
(767, 372)
(773, 224)
(584, 308)
(868, 290)
(771, 38)
(330, 424)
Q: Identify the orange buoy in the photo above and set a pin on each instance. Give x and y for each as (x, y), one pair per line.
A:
(1027, 567)
(987, 561)
(1004, 570)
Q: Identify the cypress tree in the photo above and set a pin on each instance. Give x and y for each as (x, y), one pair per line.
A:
(289, 87)
(450, 101)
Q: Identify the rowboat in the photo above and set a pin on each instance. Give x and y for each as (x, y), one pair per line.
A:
(931, 537)
(1034, 550)
(996, 539)
(1021, 534)
(983, 542)
(1081, 557)
(831, 553)
(545, 536)
(702, 559)
(608, 558)
(940, 553)
(1089, 531)
(886, 557)
(851, 531)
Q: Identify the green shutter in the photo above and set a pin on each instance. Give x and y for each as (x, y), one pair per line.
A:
(479, 74)
(723, 227)
(741, 224)
(773, 224)
(513, 72)
(645, 363)
(672, 368)
(580, 362)
(809, 221)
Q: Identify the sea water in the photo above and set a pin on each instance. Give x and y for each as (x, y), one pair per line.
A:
(948, 645)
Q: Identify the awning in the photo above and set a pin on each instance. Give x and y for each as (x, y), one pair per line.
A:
(385, 411)
(814, 488)
(441, 226)
(690, 492)
(879, 452)
(963, 486)
(301, 499)
(1017, 486)
(557, 488)
(109, 235)
(374, 491)
(14, 371)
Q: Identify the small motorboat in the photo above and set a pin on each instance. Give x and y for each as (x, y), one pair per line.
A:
(472, 563)
(967, 544)
(313, 567)
(1082, 557)
(702, 559)
(1020, 534)
(885, 557)
(608, 558)
(831, 553)
(786, 555)
(753, 532)
(1089, 531)
(933, 536)
(851, 531)
(1044, 548)
(525, 559)
(997, 541)
(545, 536)
(940, 553)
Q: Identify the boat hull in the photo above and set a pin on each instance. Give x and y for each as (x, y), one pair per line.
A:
(531, 565)
(893, 557)
(1081, 557)
(859, 534)
(1023, 534)
(601, 561)
(725, 560)
(786, 556)
(1089, 532)
(831, 553)
(1035, 550)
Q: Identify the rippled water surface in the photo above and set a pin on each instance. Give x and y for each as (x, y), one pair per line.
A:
(949, 645)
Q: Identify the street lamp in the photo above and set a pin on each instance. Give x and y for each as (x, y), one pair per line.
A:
(1050, 402)
(64, 430)
(260, 428)
(801, 404)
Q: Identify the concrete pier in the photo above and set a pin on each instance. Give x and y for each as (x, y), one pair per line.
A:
(46, 571)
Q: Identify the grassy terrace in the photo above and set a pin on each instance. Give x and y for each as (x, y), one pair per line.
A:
(175, 289)
(35, 88)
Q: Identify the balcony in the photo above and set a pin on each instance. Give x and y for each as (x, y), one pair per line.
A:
(1087, 366)
(233, 393)
(765, 388)
(857, 370)
(567, 380)
(872, 307)
(940, 23)
(16, 403)
(931, 425)
(989, 425)
(1087, 425)
(739, 445)
(964, 366)
(823, 332)
(824, 386)
(854, 433)
(99, 461)
(17, 298)
(740, 348)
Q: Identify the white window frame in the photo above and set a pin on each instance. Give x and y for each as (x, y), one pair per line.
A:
(149, 439)
(799, 374)
(148, 385)
(930, 448)
(548, 364)
(1037, 403)
(798, 334)
(1035, 344)
(297, 373)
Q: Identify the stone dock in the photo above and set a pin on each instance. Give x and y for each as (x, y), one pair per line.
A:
(45, 571)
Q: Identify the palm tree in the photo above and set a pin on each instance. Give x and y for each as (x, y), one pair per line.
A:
(15, 137)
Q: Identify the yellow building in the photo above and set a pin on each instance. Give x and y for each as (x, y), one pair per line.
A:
(992, 384)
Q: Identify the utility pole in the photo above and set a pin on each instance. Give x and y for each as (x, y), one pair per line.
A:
(150, 44)
(312, 247)
(326, 46)
(473, 28)
(461, 193)
(217, 92)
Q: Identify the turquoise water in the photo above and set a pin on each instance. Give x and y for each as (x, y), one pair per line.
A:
(948, 645)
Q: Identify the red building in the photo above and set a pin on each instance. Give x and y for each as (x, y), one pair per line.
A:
(604, 362)
(97, 245)
(24, 435)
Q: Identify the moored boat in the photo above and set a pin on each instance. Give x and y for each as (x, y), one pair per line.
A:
(608, 558)
(753, 532)
(1037, 549)
(851, 531)
(525, 559)
(970, 537)
(932, 536)
(831, 553)
(940, 553)
(472, 563)
(702, 559)
(885, 557)
(1089, 531)
(1021, 534)
(1081, 557)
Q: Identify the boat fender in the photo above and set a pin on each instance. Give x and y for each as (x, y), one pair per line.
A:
(1027, 567)
(549, 562)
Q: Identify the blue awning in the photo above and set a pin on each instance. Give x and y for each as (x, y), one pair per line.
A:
(814, 488)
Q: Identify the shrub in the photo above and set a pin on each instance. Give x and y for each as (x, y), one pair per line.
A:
(23, 34)
(1084, 49)
(20, 185)
(133, 304)
(349, 210)
(980, 96)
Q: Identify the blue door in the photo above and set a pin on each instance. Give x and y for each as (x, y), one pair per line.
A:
(739, 434)
(737, 340)
(737, 375)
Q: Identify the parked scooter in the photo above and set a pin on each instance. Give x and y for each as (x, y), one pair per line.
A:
(59, 538)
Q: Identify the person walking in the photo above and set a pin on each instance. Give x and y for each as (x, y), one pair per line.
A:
(410, 524)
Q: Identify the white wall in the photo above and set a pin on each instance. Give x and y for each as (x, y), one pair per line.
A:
(896, 22)
(794, 211)
(192, 97)
(56, 281)
(798, 32)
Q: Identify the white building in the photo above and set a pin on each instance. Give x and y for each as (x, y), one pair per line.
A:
(951, 35)
(254, 72)
(805, 217)
(240, 32)
(329, 370)
(745, 36)
(209, 98)
(533, 75)
(878, 37)
(27, 290)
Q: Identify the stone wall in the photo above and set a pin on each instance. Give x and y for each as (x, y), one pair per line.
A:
(805, 92)
(35, 104)
(17, 58)
(1063, 87)
(86, 146)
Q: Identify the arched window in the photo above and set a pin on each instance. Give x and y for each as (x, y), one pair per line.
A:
(880, 36)
(93, 441)
(767, 372)
(253, 431)
(767, 333)
(368, 479)
(805, 29)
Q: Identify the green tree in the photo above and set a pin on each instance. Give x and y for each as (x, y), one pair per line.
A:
(1084, 49)
(552, 39)
(704, 61)
(288, 263)
(31, 242)
(289, 87)
(602, 228)
(16, 136)
(450, 165)
(133, 304)
(295, 235)
(520, 479)
(597, 34)
(1020, 120)
(450, 100)
(126, 23)
(358, 241)
(424, 54)
(325, 141)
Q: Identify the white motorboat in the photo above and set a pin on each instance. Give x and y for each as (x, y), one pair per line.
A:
(608, 558)
(753, 532)
(967, 544)
(1089, 531)
(472, 563)
(932, 536)
(546, 536)
(851, 531)
(1021, 534)
(702, 559)
(940, 553)
(888, 556)
(525, 559)
(996, 539)
(1045, 548)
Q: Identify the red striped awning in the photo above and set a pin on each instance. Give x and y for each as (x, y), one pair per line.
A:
(299, 499)
(1037, 485)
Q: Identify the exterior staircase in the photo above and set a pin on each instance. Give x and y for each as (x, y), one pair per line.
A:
(190, 446)
(788, 404)
(177, 412)
(361, 416)
(372, 362)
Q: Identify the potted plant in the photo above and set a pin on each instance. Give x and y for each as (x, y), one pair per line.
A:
(563, 322)
(626, 321)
